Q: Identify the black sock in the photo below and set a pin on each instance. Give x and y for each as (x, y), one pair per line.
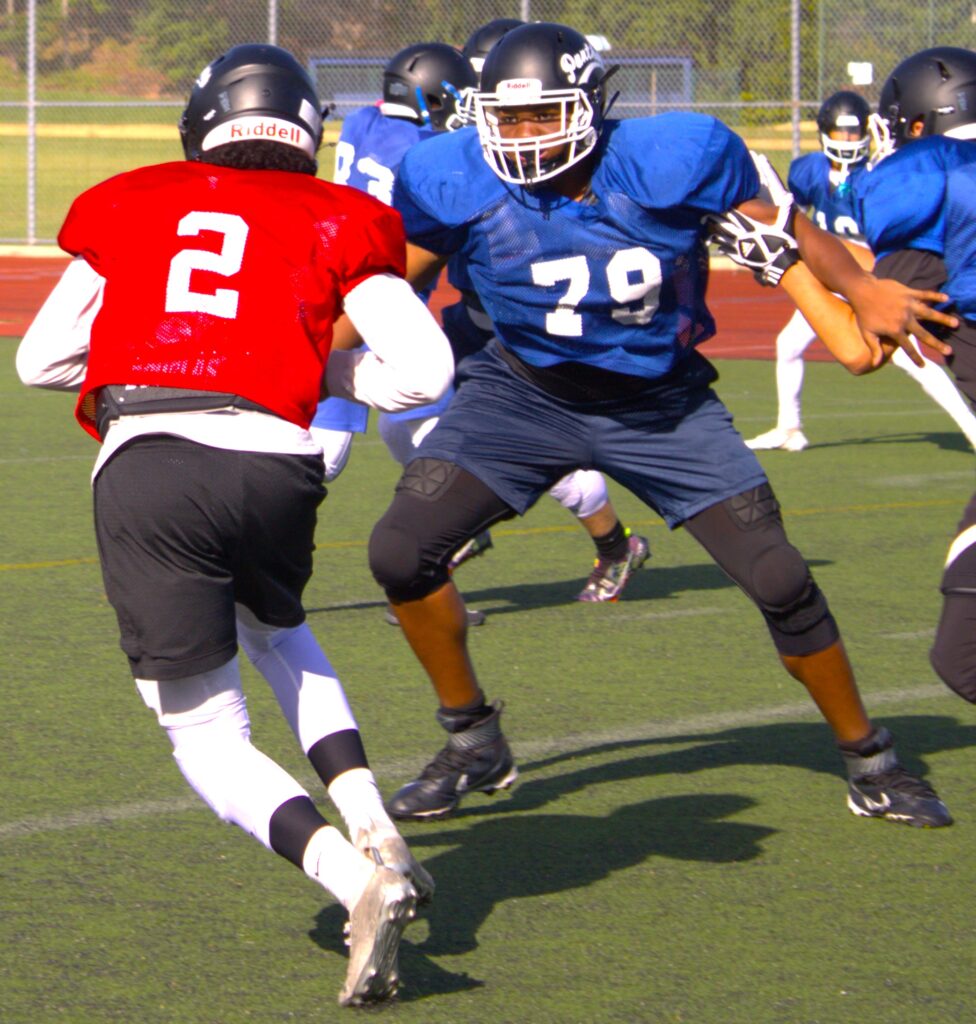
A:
(612, 545)
(459, 719)
(877, 740)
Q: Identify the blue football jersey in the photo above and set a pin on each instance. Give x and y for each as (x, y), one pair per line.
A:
(616, 280)
(830, 202)
(901, 202)
(960, 240)
(370, 149)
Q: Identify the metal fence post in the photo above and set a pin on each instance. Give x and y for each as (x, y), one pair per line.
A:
(795, 76)
(31, 122)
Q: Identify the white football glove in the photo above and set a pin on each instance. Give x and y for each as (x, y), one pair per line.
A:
(767, 250)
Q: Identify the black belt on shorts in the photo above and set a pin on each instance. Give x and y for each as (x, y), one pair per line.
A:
(115, 400)
(577, 382)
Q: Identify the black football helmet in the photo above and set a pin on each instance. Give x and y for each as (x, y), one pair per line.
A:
(544, 65)
(849, 112)
(253, 91)
(937, 87)
(483, 39)
(428, 83)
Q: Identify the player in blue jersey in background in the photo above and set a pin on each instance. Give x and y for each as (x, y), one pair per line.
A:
(824, 183)
(425, 87)
(584, 240)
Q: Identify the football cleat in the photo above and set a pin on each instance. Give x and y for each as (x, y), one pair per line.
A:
(376, 922)
(879, 787)
(477, 759)
(387, 848)
(475, 617)
(898, 796)
(478, 545)
(792, 440)
(609, 577)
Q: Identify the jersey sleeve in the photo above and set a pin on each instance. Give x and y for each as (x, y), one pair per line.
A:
(90, 223)
(375, 243)
(681, 159)
(441, 185)
(901, 202)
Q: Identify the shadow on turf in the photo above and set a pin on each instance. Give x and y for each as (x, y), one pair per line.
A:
(949, 442)
(505, 857)
(500, 854)
(791, 744)
(660, 582)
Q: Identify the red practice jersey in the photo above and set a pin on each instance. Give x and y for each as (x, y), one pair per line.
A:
(224, 280)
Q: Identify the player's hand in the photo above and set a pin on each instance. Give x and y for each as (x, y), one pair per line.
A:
(887, 310)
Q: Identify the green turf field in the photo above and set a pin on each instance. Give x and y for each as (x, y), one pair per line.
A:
(677, 849)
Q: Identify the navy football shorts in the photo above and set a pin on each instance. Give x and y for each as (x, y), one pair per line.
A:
(673, 445)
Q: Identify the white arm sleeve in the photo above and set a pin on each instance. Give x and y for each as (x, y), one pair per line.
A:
(54, 351)
(409, 361)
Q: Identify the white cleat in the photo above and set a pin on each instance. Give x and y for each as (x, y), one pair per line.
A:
(389, 849)
(792, 440)
(386, 907)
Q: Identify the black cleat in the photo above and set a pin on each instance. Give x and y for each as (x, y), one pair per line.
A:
(898, 796)
(879, 787)
(477, 759)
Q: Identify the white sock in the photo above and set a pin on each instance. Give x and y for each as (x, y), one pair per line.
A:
(358, 800)
(791, 342)
(336, 865)
(937, 384)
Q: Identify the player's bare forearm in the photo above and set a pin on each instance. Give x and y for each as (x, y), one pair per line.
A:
(423, 266)
(833, 321)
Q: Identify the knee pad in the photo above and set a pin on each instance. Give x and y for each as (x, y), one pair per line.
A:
(582, 492)
(953, 654)
(792, 604)
(403, 437)
(436, 508)
(336, 445)
(404, 554)
(745, 535)
(206, 719)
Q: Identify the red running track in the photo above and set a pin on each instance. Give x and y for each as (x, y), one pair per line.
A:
(748, 316)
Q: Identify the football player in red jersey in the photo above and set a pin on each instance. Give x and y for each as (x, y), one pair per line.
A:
(196, 321)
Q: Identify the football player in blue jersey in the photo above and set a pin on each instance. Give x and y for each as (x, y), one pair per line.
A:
(425, 87)
(919, 207)
(584, 240)
(824, 184)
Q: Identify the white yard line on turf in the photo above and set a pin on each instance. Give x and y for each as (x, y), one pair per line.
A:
(527, 751)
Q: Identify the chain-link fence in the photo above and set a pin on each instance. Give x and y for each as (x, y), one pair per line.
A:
(90, 88)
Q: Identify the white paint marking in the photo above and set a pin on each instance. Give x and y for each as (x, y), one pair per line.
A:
(580, 743)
